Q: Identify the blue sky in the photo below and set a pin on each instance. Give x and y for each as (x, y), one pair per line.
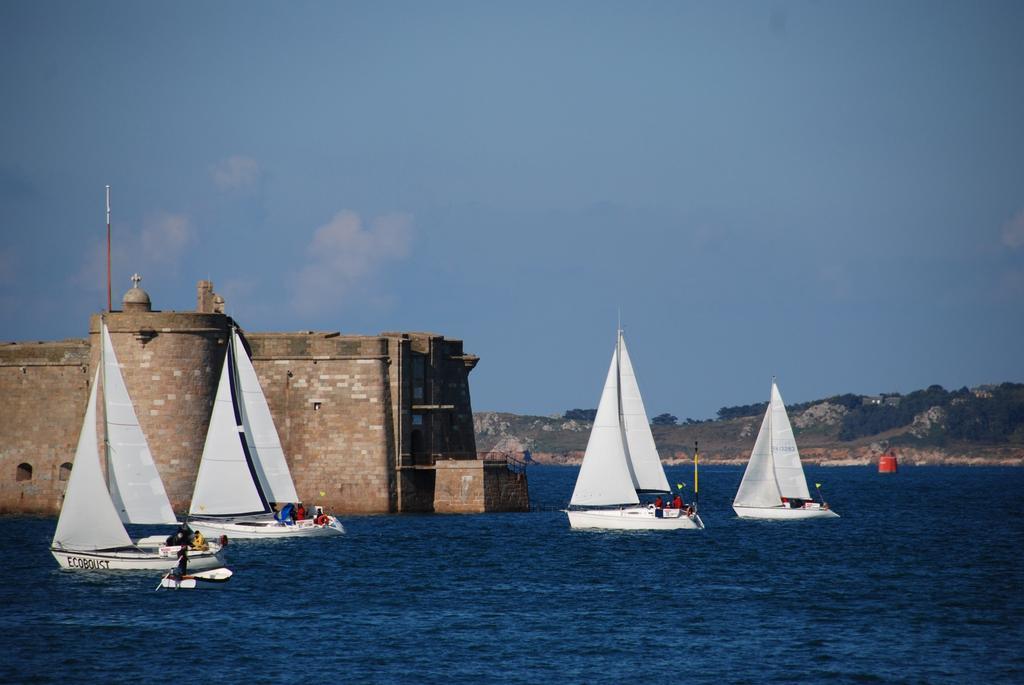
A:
(829, 192)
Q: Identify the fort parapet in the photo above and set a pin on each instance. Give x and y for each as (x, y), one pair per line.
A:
(369, 424)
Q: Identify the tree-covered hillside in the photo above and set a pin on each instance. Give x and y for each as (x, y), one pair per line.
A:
(991, 415)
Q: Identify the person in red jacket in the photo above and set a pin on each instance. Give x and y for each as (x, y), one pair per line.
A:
(300, 512)
(677, 502)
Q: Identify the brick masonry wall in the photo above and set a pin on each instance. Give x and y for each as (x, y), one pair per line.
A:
(460, 487)
(505, 490)
(466, 487)
(44, 388)
(329, 396)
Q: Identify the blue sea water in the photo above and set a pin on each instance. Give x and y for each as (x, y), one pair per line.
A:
(920, 581)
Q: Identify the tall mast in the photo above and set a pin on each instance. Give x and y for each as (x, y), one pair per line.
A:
(109, 301)
(618, 369)
(106, 403)
(771, 435)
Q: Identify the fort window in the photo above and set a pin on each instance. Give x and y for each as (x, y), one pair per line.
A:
(419, 375)
(316, 405)
(24, 472)
(65, 471)
(417, 444)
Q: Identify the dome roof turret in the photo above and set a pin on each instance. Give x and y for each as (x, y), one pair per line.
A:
(136, 299)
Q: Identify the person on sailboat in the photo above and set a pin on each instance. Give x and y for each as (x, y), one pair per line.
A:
(286, 514)
(677, 502)
(182, 568)
(300, 512)
(198, 541)
(182, 536)
(321, 518)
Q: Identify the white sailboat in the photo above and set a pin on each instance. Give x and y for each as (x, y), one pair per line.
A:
(90, 532)
(243, 468)
(622, 462)
(774, 485)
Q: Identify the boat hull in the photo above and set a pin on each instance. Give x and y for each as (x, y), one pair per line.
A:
(808, 511)
(192, 581)
(162, 559)
(259, 529)
(633, 518)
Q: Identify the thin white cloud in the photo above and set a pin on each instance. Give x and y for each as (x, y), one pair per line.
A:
(92, 274)
(236, 172)
(157, 248)
(345, 254)
(1013, 231)
(165, 237)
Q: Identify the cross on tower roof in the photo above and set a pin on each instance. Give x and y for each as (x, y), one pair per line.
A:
(135, 280)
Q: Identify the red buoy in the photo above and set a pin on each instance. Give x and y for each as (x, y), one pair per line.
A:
(887, 463)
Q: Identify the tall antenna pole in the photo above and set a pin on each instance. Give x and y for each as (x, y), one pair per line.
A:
(109, 301)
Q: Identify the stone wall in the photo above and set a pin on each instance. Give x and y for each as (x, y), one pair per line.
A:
(469, 487)
(505, 490)
(45, 388)
(329, 397)
(432, 416)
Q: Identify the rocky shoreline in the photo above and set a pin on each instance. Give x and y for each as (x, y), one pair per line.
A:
(557, 441)
(906, 458)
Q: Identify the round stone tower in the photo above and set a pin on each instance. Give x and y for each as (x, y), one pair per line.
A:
(171, 363)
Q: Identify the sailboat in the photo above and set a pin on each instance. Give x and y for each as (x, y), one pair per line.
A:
(90, 532)
(621, 462)
(774, 485)
(243, 467)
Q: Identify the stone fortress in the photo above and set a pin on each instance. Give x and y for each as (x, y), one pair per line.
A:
(369, 424)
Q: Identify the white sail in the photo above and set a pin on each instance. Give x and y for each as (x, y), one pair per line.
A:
(758, 487)
(264, 443)
(135, 485)
(604, 475)
(789, 473)
(648, 473)
(226, 485)
(88, 519)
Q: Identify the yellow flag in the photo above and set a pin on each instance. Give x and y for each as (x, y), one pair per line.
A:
(817, 485)
(680, 485)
